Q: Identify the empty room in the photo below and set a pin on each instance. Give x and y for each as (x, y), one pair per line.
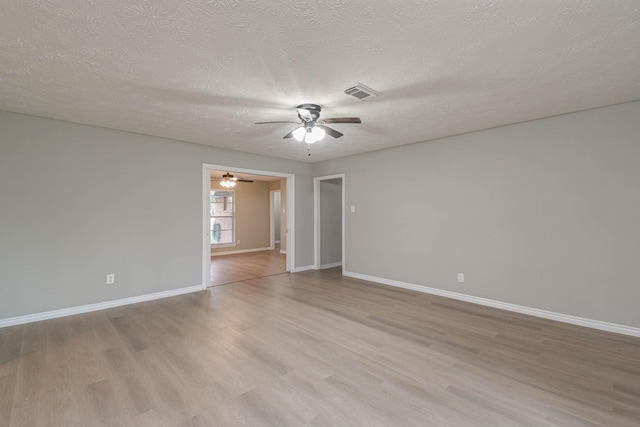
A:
(319, 213)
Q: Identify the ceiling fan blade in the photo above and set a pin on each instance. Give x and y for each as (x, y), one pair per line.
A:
(304, 114)
(343, 120)
(244, 180)
(332, 132)
(283, 121)
(289, 135)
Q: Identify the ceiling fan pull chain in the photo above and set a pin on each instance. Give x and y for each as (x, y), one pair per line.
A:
(309, 150)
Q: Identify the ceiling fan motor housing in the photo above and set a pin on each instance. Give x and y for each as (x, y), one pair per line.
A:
(313, 109)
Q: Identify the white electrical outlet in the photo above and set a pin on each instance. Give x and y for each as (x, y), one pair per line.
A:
(460, 277)
(111, 279)
(353, 209)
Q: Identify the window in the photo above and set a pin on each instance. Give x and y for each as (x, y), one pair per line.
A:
(222, 220)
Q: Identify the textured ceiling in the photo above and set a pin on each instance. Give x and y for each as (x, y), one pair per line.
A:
(204, 71)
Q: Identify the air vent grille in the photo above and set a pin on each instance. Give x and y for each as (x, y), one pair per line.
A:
(361, 92)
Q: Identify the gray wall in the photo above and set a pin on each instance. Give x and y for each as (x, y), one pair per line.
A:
(78, 202)
(544, 214)
(330, 221)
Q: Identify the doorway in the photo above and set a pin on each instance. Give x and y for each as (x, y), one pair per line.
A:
(329, 230)
(231, 254)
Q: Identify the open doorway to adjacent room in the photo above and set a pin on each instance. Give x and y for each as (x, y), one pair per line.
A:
(239, 222)
(329, 199)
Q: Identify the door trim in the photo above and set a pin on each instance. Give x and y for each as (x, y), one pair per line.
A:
(272, 227)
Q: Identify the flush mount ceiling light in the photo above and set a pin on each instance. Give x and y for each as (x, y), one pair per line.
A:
(228, 181)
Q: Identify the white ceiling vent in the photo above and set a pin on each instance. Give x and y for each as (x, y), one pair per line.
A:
(361, 92)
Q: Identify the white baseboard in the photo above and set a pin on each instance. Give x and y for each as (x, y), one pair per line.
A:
(565, 318)
(303, 268)
(241, 251)
(19, 320)
(331, 265)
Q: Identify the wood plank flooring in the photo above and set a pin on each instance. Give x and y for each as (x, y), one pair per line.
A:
(251, 265)
(314, 349)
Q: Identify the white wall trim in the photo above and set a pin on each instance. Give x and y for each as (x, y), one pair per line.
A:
(206, 218)
(19, 320)
(565, 318)
(331, 265)
(240, 251)
(224, 245)
(272, 231)
(283, 252)
(303, 268)
(290, 240)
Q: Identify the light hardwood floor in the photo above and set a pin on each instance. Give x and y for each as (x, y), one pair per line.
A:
(315, 349)
(251, 265)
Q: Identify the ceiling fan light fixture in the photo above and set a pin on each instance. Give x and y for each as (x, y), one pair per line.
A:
(228, 181)
(299, 133)
(313, 134)
(318, 133)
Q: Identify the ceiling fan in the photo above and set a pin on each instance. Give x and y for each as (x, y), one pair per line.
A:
(229, 180)
(312, 128)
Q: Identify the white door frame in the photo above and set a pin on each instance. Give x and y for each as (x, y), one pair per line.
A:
(272, 227)
(206, 238)
(316, 219)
